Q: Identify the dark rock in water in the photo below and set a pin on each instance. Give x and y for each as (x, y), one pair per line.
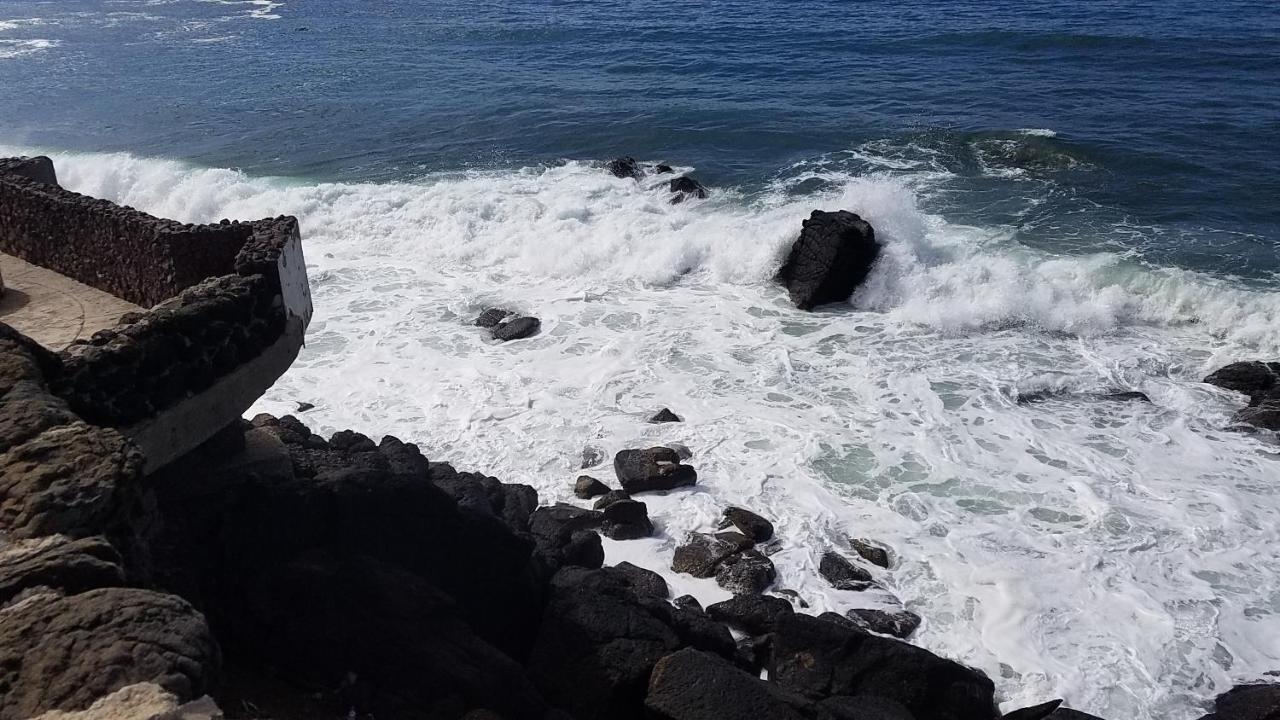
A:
(63, 653)
(793, 596)
(1035, 712)
(1246, 702)
(653, 469)
(563, 535)
(898, 623)
(742, 542)
(625, 167)
(661, 169)
(588, 487)
(1255, 379)
(517, 329)
(830, 259)
(818, 658)
(749, 523)
(753, 614)
(626, 520)
(746, 573)
(1127, 396)
(1069, 714)
(352, 442)
(870, 552)
(862, 707)
(305, 406)
(1265, 415)
(686, 187)
(664, 416)
(492, 317)
(695, 685)
(646, 583)
(610, 498)
(700, 554)
(591, 457)
(687, 602)
(56, 562)
(842, 574)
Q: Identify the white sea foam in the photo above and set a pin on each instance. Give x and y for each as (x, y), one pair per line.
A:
(259, 9)
(18, 48)
(1121, 555)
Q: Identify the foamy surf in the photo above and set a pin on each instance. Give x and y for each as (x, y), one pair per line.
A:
(1119, 555)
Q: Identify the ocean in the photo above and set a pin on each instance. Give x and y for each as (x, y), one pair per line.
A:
(1075, 199)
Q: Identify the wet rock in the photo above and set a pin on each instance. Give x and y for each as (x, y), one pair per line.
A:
(749, 523)
(701, 553)
(625, 167)
(1126, 396)
(305, 406)
(563, 535)
(1245, 702)
(684, 188)
(654, 469)
(588, 487)
(753, 614)
(831, 258)
(1035, 712)
(1265, 415)
(871, 552)
(793, 596)
(665, 416)
(682, 451)
(746, 573)
(842, 574)
(661, 169)
(687, 602)
(646, 583)
(817, 658)
(492, 317)
(899, 623)
(66, 565)
(610, 498)
(695, 685)
(517, 329)
(626, 520)
(64, 653)
(1255, 379)
(591, 457)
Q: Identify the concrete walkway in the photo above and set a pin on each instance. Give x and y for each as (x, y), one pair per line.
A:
(52, 309)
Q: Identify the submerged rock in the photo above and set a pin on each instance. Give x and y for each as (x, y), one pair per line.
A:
(491, 317)
(625, 167)
(831, 258)
(749, 523)
(1260, 701)
(871, 552)
(685, 187)
(664, 416)
(656, 468)
(588, 487)
(517, 329)
(842, 574)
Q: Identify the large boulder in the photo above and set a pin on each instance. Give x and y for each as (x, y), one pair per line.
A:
(1260, 701)
(746, 573)
(1253, 378)
(831, 258)
(62, 564)
(626, 520)
(64, 653)
(818, 658)
(752, 614)
(695, 685)
(700, 554)
(657, 468)
(841, 573)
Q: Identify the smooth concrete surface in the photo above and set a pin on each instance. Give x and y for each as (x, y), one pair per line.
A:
(53, 309)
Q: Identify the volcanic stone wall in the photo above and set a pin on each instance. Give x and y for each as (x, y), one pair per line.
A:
(130, 254)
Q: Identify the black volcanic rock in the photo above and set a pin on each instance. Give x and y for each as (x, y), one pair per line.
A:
(684, 188)
(656, 468)
(610, 498)
(749, 523)
(1035, 712)
(817, 658)
(871, 552)
(588, 487)
(1264, 415)
(662, 169)
(1253, 378)
(1259, 701)
(646, 583)
(753, 614)
(626, 520)
(517, 329)
(625, 167)
(695, 685)
(899, 623)
(746, 573)
(664, 416)
(700, 553)
(831, 258)
(841, 573)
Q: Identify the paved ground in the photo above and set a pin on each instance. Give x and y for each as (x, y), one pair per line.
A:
(52, 309)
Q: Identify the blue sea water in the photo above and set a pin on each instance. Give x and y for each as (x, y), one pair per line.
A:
(1075, 198)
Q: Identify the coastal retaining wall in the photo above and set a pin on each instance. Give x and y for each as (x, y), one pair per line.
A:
(229, 306)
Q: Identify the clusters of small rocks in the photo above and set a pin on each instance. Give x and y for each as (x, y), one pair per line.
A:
(681, 188)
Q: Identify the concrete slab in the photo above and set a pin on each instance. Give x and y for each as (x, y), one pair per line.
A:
(53, 309)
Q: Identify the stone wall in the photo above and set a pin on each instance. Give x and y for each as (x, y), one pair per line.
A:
(128, 253)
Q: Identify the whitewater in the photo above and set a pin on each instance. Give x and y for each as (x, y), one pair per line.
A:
(1121, 555)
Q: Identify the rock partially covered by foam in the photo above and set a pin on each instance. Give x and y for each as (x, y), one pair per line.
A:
(657, 468)
(1259, 701)
(625, 167)
(686, 188)
(831, 258)
(1261, 382)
